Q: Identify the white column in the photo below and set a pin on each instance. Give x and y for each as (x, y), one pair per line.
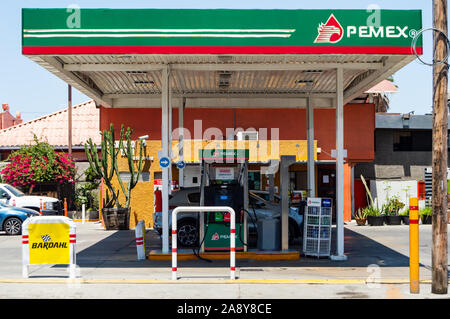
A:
(286, 161)
(181, 139)
(339, 166)
(165, 153)
(170, 133)
(310, 148)
(245, 225)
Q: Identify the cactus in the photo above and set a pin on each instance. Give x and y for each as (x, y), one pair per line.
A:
(107, 166)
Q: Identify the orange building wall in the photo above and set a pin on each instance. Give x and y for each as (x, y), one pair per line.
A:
(359, 125)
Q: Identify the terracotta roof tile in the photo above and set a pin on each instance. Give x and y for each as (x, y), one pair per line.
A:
(53, 128)
(384, 86)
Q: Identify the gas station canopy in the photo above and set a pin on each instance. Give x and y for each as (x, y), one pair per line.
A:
(225, 58)
(115, 56)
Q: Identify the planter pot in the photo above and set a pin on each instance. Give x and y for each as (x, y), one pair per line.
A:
(394, 220)
(375, 220)
(116, 218)
(405, 220)
(426, 219)
(361, 222)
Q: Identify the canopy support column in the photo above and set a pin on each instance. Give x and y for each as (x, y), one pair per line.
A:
(310, 147)
(181, 140)
(165, 153)
(339, 166)
(170, 134)
(286, 161)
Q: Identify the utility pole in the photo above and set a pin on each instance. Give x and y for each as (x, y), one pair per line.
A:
(69, 119)
(440, 132)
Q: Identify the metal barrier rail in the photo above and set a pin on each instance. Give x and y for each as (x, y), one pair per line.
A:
(204, 209)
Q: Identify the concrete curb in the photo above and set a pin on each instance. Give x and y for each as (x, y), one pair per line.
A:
(210, 282)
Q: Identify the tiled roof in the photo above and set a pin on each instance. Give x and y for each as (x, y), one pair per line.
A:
(384, 86)
(53, 128)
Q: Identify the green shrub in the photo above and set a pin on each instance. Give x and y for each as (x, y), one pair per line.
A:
(372, 211)
(361, 213)
(405, 213)
(392, 206)
(427, 211)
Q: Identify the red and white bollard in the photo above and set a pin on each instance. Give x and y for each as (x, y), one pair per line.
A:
(40, 208)
(140, 240)
(14, 202)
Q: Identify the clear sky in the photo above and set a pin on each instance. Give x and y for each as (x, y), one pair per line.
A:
(34, 91)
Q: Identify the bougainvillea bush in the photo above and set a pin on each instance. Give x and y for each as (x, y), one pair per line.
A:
(36, 164)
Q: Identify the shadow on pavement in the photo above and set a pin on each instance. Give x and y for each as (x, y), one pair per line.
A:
(119, 251)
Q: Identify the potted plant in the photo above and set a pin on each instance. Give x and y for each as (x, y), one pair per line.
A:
(405, 217)
(372, 212)
(361, 217)
(392, 209)
(374, 217)
(116, 216)
(426, 215)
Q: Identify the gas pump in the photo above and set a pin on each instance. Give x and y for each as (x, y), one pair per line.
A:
(224, 183)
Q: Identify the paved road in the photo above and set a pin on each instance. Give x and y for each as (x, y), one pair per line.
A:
(377, 267)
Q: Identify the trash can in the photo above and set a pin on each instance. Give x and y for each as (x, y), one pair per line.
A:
(269, 234)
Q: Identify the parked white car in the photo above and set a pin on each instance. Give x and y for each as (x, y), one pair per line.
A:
(14, 197)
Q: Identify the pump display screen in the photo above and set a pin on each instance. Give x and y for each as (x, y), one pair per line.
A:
(231, 195)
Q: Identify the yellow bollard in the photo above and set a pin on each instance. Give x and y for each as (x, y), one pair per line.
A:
(414, 245)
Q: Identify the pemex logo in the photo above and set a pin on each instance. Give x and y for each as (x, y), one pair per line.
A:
(215, 237)
(330, 32)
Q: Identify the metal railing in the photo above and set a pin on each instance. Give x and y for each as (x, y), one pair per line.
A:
(204, 209)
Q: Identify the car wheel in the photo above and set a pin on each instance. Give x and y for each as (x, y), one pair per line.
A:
(187, 234)
(13, 226)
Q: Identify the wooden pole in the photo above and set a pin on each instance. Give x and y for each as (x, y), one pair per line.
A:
(69, 119)
(440, 132)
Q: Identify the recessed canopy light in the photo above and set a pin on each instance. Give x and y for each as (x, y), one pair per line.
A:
(313, 71)
(136, 72)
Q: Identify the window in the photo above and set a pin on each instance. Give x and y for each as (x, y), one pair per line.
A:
(14, 190)
(126, 176)
(3, 194)
(247, 136)
(412, 141)
(157, 175)
(254, 180)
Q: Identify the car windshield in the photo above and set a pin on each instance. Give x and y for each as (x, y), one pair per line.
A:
(256, 198)
(14, 190)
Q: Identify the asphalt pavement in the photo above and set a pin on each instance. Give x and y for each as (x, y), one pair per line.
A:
(107, 267)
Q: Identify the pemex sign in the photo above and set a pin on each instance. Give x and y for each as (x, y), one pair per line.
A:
(218, 31)
(333, 32)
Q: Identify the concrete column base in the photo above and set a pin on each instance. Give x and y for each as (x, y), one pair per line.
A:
(338, 258)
